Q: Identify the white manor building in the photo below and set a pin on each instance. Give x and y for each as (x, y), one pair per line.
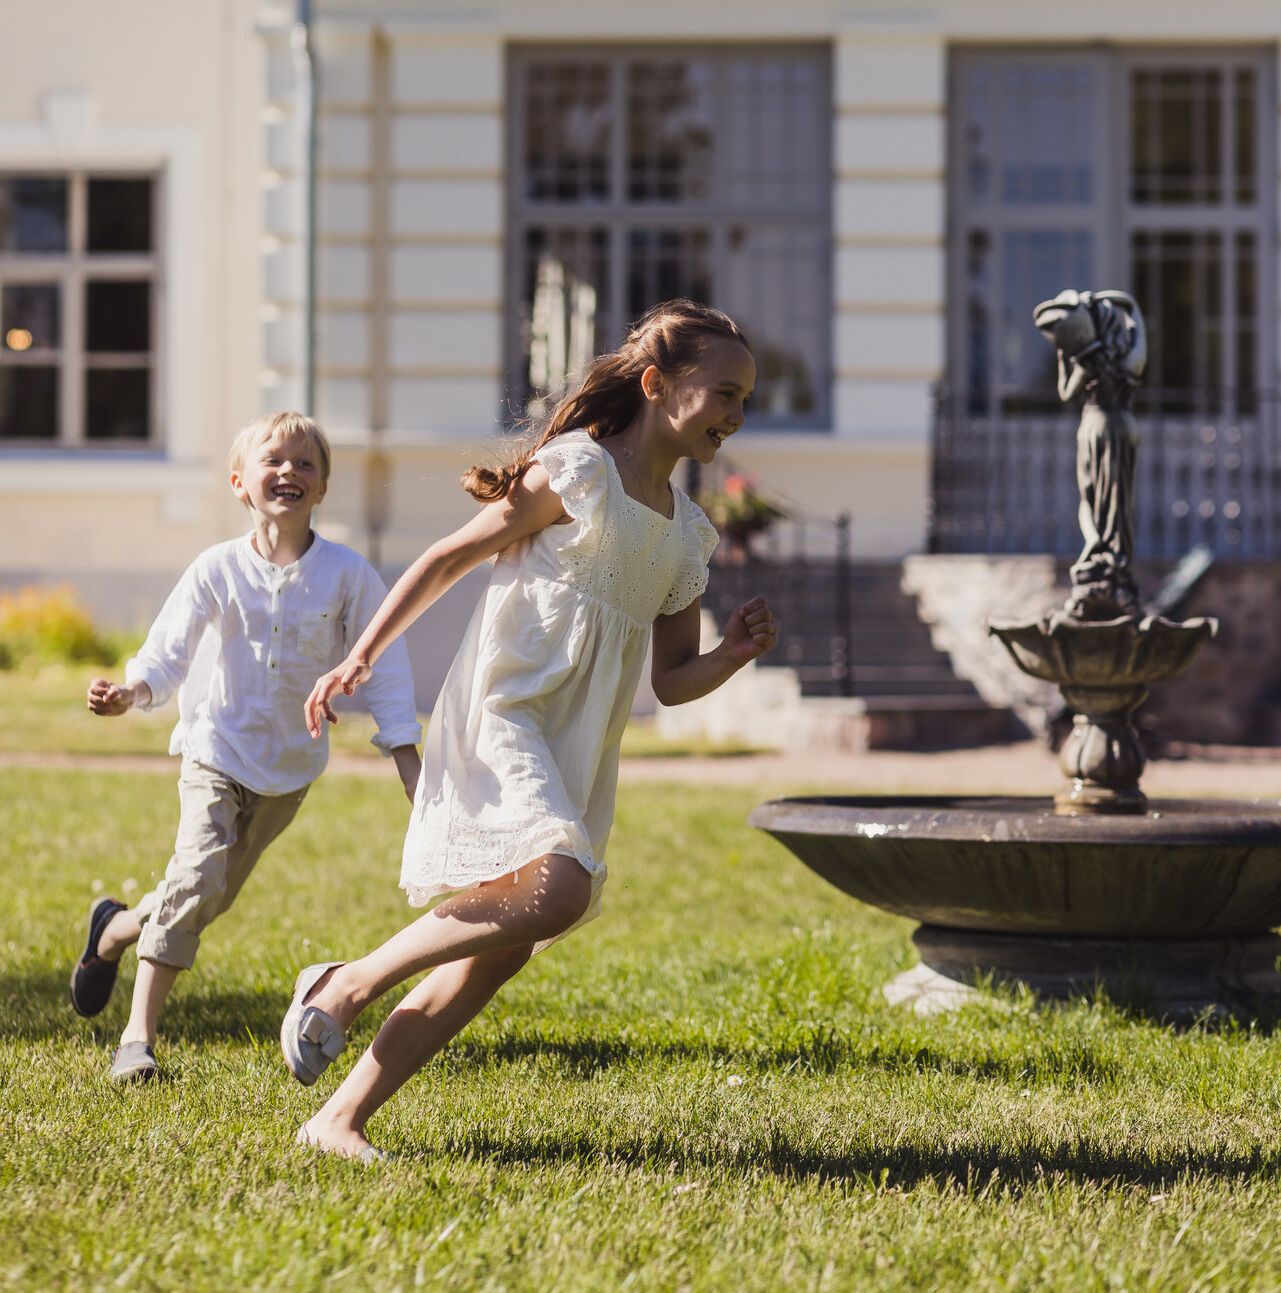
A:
(429, 213)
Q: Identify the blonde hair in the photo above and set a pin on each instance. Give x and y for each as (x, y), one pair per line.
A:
(671, 335)
(270, 425)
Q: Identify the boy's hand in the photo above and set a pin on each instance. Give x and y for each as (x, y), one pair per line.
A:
(751, 631)
(109, 699)
(346, 677)
(410, 766)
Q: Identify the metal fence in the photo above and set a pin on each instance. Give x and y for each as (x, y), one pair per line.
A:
(1208, 472)
(803, 567)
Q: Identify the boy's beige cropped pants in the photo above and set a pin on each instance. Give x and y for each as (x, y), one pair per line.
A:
(222, 832)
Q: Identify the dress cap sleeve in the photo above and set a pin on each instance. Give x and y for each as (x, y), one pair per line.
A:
(576, 468)
(701, 539)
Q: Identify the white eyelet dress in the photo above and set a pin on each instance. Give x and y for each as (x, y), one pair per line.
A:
(521, 757)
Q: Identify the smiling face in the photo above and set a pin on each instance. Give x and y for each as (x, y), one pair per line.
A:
(282, 476)
(706, 406)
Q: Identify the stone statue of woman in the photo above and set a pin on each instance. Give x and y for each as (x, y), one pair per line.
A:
(1102, 347)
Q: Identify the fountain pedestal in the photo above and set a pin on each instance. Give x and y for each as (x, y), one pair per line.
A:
(1104, 669)
(1181, 978)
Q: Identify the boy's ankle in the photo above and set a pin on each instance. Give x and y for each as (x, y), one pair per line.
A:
(118, 936)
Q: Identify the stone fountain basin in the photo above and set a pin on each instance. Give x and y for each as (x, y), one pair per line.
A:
(1184, 869)
(1104, 653)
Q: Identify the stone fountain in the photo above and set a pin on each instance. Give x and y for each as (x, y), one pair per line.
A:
(1168, 904)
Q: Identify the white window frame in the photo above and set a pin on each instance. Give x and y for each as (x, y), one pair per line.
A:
(70, 138)
(71, 271)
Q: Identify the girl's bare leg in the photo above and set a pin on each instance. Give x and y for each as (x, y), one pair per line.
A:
(431, 1014)
(543, 899)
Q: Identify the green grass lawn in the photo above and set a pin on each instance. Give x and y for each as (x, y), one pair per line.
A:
(703, 1090)
(43, 711)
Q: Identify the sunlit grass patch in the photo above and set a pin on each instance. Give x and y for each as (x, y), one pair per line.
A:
(703, 1090)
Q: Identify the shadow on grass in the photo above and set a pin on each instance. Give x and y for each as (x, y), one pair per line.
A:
(585, 1058)
(976, 1170)
(35, 1007)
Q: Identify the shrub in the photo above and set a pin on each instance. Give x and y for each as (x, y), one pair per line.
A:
(46, 625)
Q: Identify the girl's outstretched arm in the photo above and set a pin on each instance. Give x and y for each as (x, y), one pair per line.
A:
(680, 673)
(532, 505)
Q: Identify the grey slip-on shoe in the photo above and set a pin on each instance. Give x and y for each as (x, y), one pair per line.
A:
(133, 1062)
(310, 1039)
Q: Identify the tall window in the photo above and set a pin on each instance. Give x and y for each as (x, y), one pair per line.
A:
(641, 174)
(78, 270)
(1150, 171)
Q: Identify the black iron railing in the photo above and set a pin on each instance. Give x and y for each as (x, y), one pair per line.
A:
(802, 565)
(1208, 472)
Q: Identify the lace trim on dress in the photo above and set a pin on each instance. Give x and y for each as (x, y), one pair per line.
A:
(701, 539)
(482, 854)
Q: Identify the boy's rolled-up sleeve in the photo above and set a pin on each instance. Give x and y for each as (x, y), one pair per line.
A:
(164, 658)
(390, 689)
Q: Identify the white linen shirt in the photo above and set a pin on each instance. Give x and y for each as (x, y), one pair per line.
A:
(245, 640)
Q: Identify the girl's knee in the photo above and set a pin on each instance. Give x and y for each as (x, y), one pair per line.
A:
(500, 966)
(566, 894)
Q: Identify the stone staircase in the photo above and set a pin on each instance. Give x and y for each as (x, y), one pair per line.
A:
(869, 676)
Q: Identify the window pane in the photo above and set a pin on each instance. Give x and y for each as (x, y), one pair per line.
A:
(120, 215)
(1178, 281)
(28, 403)
(33, 214)
(778, 290)
(568, 118)
(670, 131)
(662, 263)
(978, 321)
(774, 147)
(1027, 133)
(564, 308)
(117, 316)
(117, 403)
(1035, 265)
(1247, 276)
(746, 130)
(1176, 135)
(29, 316)
(1245, 133)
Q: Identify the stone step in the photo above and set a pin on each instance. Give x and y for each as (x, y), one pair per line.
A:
(902, 723)
(824, 684)
(902, 691)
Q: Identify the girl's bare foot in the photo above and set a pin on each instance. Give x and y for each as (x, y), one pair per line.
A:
(331, 1138)
(330, 995)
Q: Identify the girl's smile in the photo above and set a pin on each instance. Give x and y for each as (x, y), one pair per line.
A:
(708, 405)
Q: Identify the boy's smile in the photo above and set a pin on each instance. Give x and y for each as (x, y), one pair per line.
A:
(282, 477)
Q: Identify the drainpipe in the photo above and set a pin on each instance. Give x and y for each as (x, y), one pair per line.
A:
(305, 124)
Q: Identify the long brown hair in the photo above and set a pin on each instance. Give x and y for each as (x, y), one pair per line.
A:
(670, 335)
